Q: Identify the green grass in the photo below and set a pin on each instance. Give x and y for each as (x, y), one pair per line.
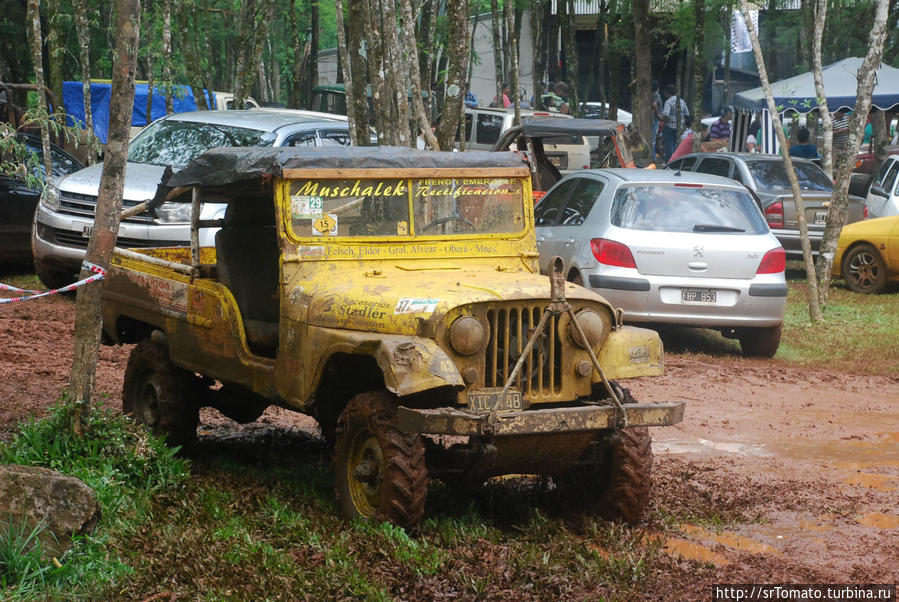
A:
(127, 468)
(860, 333)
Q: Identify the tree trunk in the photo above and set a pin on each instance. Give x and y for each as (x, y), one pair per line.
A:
(109, 206)
(254, 18)
(727, 54)
(148, 65)
(83, 31)
(699, 71)
(346, 69)
(513, 55)
(823, 110)
(457, 49)
(641, 91)
(398, 75)
(34, 17)
(167, 56)
(839, 208)
(57, 51)
(357, 93)
(415, 77)
(879, 138)
(374, 53)
(315, 27)
(497, 52)
(807, 32)
(538, 42)
(570, 44)
(296, 91)
(813, 305)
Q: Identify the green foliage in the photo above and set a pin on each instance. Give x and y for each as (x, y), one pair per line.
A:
(124, 464)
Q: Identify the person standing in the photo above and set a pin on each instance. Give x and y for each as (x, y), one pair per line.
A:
(471, 101)
(804, 149)
(840, 133)
(721, 128)
(656, 107)
(674, 113)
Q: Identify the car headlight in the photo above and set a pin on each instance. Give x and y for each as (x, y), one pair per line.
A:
(593, 326)
(50, 197)
(467, 335)
(173, 213)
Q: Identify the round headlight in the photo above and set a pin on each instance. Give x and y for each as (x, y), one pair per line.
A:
(592, 325)
(466, 335)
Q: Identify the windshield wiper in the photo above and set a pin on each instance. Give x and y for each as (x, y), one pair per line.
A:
(715, 228)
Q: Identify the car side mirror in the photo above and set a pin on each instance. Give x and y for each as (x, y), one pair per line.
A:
(879, 191)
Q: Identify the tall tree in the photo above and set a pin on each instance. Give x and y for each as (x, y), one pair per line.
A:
(347, 74)
(374, 53)
(167, 82)
(699, 70)
(513, 52)
(499, 76)
(823, 110)
(36, 37)
(82, 26)
(109, 206)
(813, 302)
(457, 50)
(254, 18)
(569, 42)
(56, 53)
(538, 43)
(357, 89)
(838, 212)
(411, 52)
(641, 99)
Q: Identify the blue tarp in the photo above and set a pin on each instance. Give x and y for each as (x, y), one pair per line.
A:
(840, 84)
(73, 99)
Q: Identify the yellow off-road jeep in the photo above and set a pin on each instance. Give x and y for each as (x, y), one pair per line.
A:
(393, 295)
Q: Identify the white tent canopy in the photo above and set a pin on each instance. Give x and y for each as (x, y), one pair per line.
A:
(798, 94)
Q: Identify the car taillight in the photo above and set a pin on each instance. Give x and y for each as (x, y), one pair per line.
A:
(610, 252)
(864, 210)
(774, 262)
(774, 214)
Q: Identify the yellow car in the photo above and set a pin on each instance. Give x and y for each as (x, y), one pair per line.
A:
(867, 254)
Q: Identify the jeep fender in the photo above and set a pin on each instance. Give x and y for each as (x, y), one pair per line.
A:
(409, 364)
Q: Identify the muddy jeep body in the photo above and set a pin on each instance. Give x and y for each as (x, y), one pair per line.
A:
(393, 295)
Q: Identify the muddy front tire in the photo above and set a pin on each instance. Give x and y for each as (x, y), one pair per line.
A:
(380, 472)
(614, 474)
(159, 394)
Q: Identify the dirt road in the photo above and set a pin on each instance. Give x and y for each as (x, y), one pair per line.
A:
(777, 474)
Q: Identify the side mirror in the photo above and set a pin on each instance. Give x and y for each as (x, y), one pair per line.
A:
(879, 191)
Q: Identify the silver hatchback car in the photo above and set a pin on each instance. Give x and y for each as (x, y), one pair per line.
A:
(669, 247)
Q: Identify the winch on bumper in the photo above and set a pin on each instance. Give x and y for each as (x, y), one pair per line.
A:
(452, 421)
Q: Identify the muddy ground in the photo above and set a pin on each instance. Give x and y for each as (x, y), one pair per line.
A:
(777, 475)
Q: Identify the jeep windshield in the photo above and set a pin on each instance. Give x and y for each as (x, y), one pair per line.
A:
(405, 207)
(176, 143)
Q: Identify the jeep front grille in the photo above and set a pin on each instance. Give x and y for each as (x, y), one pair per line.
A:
(70, 238)
(510, 328)
(85, 205)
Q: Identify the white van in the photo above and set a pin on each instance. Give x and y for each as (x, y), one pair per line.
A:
(483, 127)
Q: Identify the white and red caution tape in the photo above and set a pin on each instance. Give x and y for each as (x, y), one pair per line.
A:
(98, 273)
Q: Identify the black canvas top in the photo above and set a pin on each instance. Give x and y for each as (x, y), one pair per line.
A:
(558, 126)
(221, 166)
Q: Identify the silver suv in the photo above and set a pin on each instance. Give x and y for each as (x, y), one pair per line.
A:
(65, 216)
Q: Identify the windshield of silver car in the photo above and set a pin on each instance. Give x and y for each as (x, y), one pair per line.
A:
(381, 207)
(772, 175)
(686, 208)
(176, 143)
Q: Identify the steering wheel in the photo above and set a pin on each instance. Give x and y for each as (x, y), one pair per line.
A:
(452, 218)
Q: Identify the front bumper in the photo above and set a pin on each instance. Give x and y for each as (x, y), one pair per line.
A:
(549, 421)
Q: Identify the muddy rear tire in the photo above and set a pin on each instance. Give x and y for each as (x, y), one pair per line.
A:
(380, 472)
(760, 342)
(159, 394)
(614, 474)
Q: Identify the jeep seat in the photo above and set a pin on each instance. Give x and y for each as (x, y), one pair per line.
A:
(247, 256)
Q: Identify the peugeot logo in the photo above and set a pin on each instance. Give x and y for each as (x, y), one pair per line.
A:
(697, 251)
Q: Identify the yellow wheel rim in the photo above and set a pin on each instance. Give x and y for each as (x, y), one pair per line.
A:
(365, 473)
